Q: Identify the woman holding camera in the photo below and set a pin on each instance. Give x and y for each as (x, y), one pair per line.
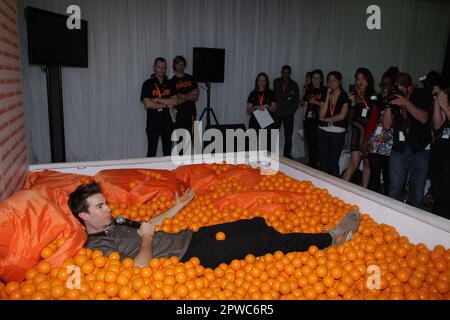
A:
(333, 125)
(361, 103)
(440, 154)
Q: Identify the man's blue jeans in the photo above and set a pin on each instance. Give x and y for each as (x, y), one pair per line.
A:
(414, 164)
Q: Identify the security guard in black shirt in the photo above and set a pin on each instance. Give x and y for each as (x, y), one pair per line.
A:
(158, 97)
(187, 90)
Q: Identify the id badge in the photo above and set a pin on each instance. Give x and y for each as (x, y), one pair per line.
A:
(364, 112)
(379, 131)
(401, 136)
(446, 133)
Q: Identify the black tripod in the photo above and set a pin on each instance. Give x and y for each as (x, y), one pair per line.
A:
(208, 110)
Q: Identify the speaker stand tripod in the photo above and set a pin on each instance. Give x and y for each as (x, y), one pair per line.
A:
(208, 110)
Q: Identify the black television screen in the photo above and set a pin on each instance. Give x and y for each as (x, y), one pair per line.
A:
(50, 42)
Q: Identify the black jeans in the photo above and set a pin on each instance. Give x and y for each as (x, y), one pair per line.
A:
(330, 149)
(159, 124)
(247, 237)
(288, 124)
(310, 130)
(379, 164)
(185, 121)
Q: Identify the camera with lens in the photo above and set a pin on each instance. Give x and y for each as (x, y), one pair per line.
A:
(431, 80)
(388, 97)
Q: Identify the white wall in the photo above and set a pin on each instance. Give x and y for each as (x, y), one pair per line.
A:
(103, 115)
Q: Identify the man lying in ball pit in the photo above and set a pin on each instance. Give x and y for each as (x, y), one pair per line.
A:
(242, 237)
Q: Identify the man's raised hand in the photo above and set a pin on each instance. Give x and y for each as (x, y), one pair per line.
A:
(185, 198)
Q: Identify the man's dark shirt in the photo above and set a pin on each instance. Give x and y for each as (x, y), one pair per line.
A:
(126, 241)
(152, 89)
(287, 96)
(184, 85)
(418, 136)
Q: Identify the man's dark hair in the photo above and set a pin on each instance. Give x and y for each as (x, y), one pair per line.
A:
(159, 59)
(404, 79)
(286, 67)
(177, 60)
(78, 199)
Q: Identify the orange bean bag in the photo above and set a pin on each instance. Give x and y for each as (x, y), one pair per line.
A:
(55, 186)
(132, 186)
(28, 223)
(202, 177)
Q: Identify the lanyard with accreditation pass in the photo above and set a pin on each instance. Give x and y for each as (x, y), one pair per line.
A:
(333, 105)
(158, 92)
(365, 110)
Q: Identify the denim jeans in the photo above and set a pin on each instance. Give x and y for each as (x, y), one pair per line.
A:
(414, 164)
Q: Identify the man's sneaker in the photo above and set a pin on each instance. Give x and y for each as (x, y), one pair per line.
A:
(344, 231)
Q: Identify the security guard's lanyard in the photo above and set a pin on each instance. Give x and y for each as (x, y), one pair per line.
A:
(158, 91)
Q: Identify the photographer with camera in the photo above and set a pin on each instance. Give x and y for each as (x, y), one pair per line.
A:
(440, 152)
(408, 114)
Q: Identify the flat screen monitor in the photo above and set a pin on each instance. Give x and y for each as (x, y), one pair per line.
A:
(51, 42)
